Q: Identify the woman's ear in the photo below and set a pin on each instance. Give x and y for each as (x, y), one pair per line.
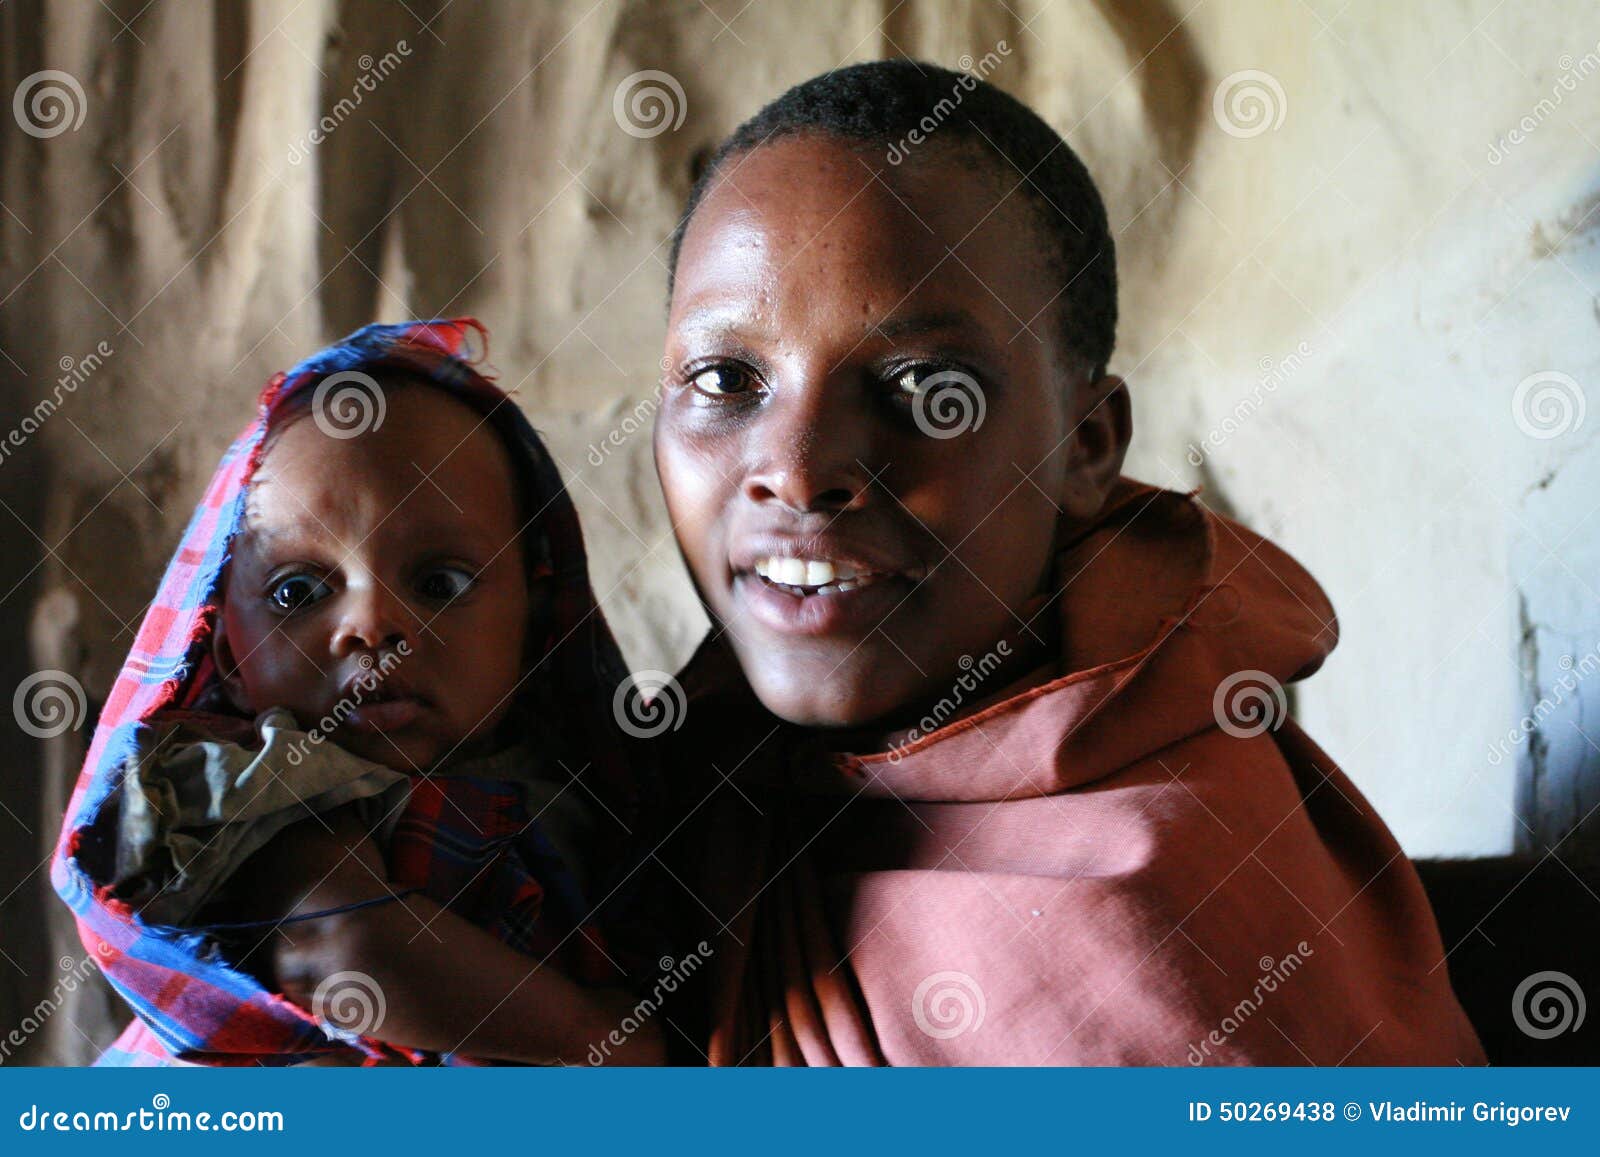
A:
(227, 666)
(1102, 426)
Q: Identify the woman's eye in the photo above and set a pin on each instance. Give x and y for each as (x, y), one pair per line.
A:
(907, 382)
(297, 591)
(941, 396)
(721, 381)
(914, 380)
(445, 583)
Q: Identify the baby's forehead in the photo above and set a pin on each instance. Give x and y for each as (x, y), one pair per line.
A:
(384, 420)
(423, 456)
(383, 408)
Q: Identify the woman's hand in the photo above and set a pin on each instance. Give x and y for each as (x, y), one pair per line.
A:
(445, 984)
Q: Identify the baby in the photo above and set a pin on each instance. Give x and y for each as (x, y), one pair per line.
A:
(393, 752)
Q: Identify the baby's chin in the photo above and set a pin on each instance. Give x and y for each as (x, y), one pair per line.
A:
(408, 753)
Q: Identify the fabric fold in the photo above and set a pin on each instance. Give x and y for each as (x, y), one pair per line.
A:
(195, 806)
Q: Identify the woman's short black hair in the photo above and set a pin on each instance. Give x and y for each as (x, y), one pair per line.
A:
(899, 105)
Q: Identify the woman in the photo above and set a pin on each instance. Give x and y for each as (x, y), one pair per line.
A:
(986, 757)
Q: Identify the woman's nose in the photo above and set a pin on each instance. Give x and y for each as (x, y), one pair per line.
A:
(812, 454)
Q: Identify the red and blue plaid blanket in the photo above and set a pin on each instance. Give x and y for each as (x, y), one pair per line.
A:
(466, 842)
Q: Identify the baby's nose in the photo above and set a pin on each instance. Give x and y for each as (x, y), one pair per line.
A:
(374, 619)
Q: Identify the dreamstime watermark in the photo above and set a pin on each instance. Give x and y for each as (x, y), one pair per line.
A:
(648, 703)
(1273, 374)
(49, 103)
(160, 1117)
(1547, 1004)
(1249, 703)
(948, 1004)
(49, 703)
(73, 974)
(947, 404)
(639, 418)
(1548, 404)
(973, 674)
(648, 103)
(1571, 73)
(349, 1005)
(972, 72)
(348, 404)
(1573, 672)
(1248, 103)
(636, 419)
(373, 73)
(1273, 974)
(673, 974)
(74, 372)
(374, 672)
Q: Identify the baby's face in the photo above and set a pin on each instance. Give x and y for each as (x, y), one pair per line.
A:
(397, 551)
(814, 302)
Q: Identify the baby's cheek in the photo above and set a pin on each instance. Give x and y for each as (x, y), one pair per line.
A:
(252, 649)
(484, 685)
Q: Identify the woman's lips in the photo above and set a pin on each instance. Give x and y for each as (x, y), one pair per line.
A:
(854, 611)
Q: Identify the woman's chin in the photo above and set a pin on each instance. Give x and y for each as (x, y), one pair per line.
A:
(844, 700)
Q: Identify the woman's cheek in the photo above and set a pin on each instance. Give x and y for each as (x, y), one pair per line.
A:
(700, 516)
(697, 472)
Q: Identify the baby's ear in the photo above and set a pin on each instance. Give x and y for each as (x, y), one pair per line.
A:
(227, 666)
(1102, 426)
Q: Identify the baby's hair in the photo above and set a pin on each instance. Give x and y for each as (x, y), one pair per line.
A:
(885, 103)
(288, 409)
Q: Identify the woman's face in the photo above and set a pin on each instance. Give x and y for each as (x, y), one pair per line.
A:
(869, 422)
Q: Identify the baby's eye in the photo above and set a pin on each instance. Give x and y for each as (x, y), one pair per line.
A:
(721, 381)
(444, 583)
(294, 592)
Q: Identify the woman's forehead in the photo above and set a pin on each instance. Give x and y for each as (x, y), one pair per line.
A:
(815, 218)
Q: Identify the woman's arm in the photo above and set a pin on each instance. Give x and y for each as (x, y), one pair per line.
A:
(447, 985)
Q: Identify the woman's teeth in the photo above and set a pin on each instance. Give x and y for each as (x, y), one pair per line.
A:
(805, 576)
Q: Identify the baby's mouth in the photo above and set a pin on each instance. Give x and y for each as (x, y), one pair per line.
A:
(383, 707)
(385, 711)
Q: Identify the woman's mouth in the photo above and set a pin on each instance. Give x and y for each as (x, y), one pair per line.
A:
(808, 576)
(809, 596)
